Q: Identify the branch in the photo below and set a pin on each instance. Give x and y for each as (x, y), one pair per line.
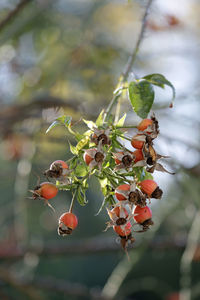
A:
(12, 14)
(132, 57)
(131, 60)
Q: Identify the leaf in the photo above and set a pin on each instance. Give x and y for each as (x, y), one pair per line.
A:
(64, 120)
(82, 143)
(121, 121)
(99, 120)
(81, 170)
(141, 95)
(90, 124)
(73, 149)
(77, 135)
(161, 81)
(54, 124)
(81, 197)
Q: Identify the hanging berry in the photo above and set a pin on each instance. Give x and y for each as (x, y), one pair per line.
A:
(151, 189)
(45, 190)
(142, 215)
(67, 223)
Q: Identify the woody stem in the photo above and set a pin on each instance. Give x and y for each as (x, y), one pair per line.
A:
(130, 63)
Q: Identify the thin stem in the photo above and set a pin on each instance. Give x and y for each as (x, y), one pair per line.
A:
(132, 57)
(130, 62)
(126, 126)
(124, 137)
(72, 202)
(13, 13)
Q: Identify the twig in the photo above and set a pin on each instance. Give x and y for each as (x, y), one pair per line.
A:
(130, 62)
(187, 257)
(13, 13)
(132, 57)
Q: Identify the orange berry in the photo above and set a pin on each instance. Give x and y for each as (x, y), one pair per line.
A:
(138, 155)
(123, 232)
(142, 214)
(69, 219)
(46, 190)
(121, 196)
(151, 188)
(136, 143)
(144, 124)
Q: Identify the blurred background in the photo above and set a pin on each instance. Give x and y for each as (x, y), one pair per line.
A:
(65, 56)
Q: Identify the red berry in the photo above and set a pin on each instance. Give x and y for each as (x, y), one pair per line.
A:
(45, 190)
(142, 214)
(123, 232)
(151, 188)
(69, 220)
(136, 143)
(123, 188)
(138, 155)
(144, 124)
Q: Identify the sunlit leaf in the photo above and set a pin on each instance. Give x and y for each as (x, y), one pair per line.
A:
(121, 121)
(99, 120)
(82, 143)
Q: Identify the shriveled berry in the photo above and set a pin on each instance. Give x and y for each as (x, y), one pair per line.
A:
(144, 124)
(150, 188)
(57, 169)
(136, 143)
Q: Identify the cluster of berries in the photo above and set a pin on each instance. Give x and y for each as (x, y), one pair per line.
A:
(125, 191)
(58, 170)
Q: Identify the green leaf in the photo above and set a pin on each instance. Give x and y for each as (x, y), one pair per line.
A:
(161, 81)
(64, 120)
(121, 121)
(81, 197)
(54, 124)
(77, 135)
(99, 120)
(141, 95)
(81, 170)
(82, 143)
(73, 163)
(73, 149)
